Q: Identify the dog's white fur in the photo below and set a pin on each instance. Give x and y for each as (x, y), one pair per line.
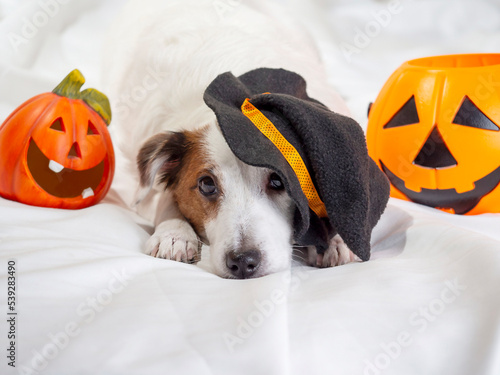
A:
(162, 56)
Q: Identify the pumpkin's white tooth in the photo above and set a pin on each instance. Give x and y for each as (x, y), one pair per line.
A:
(55, 166)
(88, 192)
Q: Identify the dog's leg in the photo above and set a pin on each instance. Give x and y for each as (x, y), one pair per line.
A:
(337, 254)
(174, 238)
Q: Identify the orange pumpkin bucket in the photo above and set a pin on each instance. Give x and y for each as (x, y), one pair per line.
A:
(434, 130)
(55, 149)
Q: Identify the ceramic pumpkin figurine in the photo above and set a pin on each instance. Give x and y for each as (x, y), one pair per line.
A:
(435, 131)
(55, 149)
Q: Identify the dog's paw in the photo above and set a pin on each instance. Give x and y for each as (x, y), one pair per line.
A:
(173, 239)
(337, 254)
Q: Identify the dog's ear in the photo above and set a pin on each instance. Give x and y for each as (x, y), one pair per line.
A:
(160, 159)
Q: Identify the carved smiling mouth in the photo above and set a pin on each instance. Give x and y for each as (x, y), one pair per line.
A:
(62, 182)
(461, 203)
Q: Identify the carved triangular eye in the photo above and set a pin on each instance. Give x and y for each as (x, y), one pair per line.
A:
(58, 125)
(406, 115)
(91, 130)
(470, 115)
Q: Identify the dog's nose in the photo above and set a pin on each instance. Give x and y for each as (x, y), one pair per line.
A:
(243, 265)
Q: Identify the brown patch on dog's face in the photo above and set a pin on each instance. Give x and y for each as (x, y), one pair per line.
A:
(177, 160)
(196, 190)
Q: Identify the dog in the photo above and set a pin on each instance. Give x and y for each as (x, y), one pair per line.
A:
(162, 57)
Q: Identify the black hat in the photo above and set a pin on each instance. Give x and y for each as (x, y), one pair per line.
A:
(268, 120)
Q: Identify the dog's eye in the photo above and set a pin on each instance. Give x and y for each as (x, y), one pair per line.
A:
(275, 182)
(207, 186)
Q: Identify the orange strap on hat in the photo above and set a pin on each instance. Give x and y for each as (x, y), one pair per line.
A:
(289, 152)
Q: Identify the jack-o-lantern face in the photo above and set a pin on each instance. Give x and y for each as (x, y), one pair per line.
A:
(435, 131)
(56, 150)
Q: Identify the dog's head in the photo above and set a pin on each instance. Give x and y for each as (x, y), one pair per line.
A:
(248, 196)
(242, 212)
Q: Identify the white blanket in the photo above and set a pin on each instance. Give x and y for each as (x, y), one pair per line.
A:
(89, 302)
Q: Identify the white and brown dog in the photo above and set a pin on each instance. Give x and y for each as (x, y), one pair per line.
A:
(163, 55)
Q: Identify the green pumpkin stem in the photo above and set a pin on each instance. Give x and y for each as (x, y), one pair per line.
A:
(71, 85)
(70, 88)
